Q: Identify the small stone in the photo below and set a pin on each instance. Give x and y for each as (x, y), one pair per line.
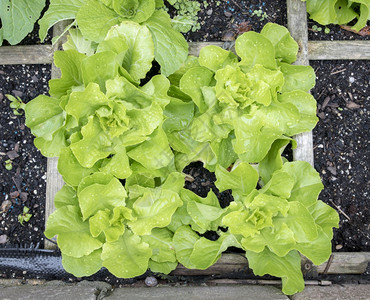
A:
(228, 14)
(209, 12)
(351, 79)
(151, 281)
(17, 93)
(332, 170)
(338, 247)
(12, 154)
(5, 205)
(352, 105)
(3, 239)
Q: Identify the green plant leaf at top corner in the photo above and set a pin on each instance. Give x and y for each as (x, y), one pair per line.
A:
(58, 10)
(95, 19)
(286, 48)
(287, 267)
(362, 19)
(18, 18)
(137, 60)
(214, 58)
(253, 48)
(170, 46)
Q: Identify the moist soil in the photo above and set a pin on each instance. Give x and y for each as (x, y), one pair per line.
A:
(340, 138)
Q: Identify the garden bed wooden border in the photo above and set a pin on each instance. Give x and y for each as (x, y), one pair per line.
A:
(339, 262)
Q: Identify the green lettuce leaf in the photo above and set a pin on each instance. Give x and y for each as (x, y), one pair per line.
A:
(170, 56)
(74, 238)
(99, 191)
(18, 18)
(287, 267)
(127, 257)
(83, 266)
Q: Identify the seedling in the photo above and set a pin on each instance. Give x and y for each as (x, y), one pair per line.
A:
(25, 216)
(16, 103)
(8, 165)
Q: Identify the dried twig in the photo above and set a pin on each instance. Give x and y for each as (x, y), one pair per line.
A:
(340, 210)
(339, 71)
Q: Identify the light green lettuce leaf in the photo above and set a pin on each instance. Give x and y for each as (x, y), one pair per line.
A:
(178, 115)
(279, 240)
(98, 192)
(286, 48)
(118, 165)
(95, 143)
(192, 82)
(242, 179)
(157, 87)
(254, 48)
(74, 238)
(183, 241)
(280, 185)
(287, 267)
(224, 151)
(207, 252)
(297, 77)
(162, 267)
(99, 68)
(306, 106)
(364, 15)
(137, 59)
(127, 257)
(215, 58)
(58, 10)
(273, 160)
(83, 104)
(322, 12)
(307, 182)
(325, 216)
(18, 18)
(44, 116)
(154, 153)
(70, 169)
(135, 10)
(190, 62)
(206, 212)
(299, 221)
(94, 19)
(69, 62)
(83, 266)
(65, 196)
(76, 41)
(52, 147)
(170, 55)
(154, 209)
(160, 241)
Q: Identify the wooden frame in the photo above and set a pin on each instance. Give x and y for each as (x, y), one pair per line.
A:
(339, 263)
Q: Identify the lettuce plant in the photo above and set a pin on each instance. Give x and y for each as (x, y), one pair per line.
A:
(339, 12)
(244, 105)
(123, 142)
(94, 18)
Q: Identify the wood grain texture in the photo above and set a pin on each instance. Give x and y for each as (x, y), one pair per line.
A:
(297, 25)
(341, 263)
(348, 50)
(27, 55)
(54, 180)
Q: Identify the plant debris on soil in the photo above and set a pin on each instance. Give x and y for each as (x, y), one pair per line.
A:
(24, 184)
(341, 147)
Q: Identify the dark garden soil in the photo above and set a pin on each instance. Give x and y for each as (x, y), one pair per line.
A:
(340, 139)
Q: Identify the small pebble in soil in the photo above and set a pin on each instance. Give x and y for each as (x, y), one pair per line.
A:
(151, 281)
(351, 79)
(3, 239)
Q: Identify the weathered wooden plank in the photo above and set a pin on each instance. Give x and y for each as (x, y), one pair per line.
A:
(297, 25)
(34, 54)
(345, 263)
(348, 50)
(340, 263)
(317, 50)
(54, 180)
